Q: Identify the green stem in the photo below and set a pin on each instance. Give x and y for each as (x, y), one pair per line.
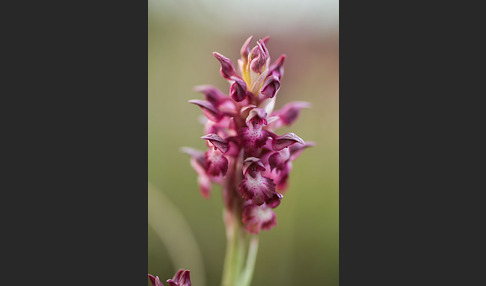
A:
(235, 253)
(247, 273)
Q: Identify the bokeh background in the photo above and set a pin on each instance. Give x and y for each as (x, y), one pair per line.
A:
(184, 229)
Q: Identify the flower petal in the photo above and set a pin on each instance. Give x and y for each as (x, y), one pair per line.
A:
(178, 275)
(277, 67)
(296, 150)
(171, 282)
(212, 94)
(274, 201)
(185, 279)
(204, 183)
(245, 49)
(290, 112)
(265, 40)
(286, 140)
(209, 110)
(198, 163)
(227, 69)
(155, 280)
(268, 105)
(198, 160)
(282, 178)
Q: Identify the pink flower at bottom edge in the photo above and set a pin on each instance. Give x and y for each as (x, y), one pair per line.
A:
(155, 280)
(181, 278)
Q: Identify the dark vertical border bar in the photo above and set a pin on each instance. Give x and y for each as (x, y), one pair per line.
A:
(407, 130)
(373, 235)
(78, 124)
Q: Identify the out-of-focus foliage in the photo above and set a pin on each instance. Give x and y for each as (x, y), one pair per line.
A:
(303, 248)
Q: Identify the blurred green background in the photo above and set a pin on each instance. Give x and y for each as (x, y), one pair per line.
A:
(184, 229)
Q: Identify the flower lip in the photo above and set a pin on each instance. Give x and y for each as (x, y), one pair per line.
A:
(258, 188)
(216, 162)
(253, 138)
(257, 218)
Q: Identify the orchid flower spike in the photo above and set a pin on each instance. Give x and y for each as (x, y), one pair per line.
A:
(244, 154)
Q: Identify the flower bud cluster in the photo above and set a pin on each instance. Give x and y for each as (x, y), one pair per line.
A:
(244, 155)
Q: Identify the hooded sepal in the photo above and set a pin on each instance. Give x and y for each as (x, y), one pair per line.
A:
(252, 165)
(238, 90)
(270, 86)
(217, 142)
